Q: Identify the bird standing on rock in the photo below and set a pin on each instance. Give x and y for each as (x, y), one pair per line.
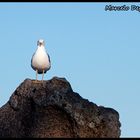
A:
(40, 61)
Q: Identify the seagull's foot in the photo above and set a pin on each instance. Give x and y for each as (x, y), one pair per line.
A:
(36, 81)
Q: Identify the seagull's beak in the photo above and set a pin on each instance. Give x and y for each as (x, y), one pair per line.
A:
(40, 44)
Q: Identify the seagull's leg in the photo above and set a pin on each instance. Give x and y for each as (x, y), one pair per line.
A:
(36, 75)
(42, 75)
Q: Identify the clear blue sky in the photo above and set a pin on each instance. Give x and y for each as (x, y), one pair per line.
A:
(97, 51)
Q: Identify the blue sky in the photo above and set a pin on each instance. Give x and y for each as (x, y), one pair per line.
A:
(97, 51)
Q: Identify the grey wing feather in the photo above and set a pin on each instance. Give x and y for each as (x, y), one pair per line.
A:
(49, 58)
(32, 60)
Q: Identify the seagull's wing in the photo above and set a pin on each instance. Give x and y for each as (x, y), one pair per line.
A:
(32, 60)
(49, 58)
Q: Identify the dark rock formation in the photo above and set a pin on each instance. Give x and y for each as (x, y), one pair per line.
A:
(51, 109)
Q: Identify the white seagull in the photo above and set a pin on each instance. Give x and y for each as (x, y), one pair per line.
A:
(40, 61)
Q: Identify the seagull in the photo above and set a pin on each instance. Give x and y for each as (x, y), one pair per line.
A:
(40, 61)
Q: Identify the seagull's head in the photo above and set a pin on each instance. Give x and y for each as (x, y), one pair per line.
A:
(40, 42)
